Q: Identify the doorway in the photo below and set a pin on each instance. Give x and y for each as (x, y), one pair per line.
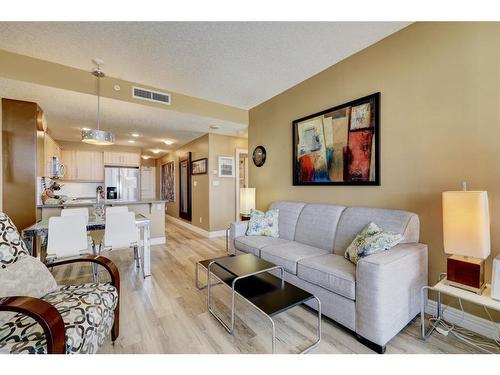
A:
(241, 166)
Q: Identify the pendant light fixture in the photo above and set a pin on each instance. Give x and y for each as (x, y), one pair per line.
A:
(97, 136)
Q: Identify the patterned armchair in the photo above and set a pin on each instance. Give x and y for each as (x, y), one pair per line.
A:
(68, 319)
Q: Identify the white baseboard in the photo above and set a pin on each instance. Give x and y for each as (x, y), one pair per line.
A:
(194, 228)
(154, 241)
(468, 321)
(157, 241)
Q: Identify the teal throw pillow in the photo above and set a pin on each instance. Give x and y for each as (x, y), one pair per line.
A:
(372, 239)
(263, 223)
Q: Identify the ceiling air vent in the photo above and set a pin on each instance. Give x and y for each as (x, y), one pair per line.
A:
(152, 96)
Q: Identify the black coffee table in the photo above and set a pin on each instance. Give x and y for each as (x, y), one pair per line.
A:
(249, 277)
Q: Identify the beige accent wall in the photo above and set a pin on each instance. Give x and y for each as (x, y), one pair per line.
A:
(223, 196)
(440, 125)
(199, 193)
(29, 69)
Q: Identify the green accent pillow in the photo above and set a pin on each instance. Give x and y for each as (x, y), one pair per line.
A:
(263, 223)
(371, 240)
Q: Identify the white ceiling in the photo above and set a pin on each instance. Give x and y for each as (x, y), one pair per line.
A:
(236, 63)
(67, 112)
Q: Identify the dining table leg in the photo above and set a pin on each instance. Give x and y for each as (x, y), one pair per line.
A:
(146, 251)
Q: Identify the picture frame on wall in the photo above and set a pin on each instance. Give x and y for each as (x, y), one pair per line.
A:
(167, 188)
(339, 146)
(199, 166)
(226, 166)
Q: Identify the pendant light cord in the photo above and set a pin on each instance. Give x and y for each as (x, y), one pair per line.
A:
(98, 98)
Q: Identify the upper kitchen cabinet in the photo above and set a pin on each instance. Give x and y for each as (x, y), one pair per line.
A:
(83, 165)
(125, 159)
(50, 150)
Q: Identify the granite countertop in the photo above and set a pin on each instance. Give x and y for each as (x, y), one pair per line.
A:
(107, 202)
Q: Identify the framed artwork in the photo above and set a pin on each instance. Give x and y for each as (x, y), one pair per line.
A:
(226, 166)
(339, 146)
(168, 181)
(259, 156)
(199, 166)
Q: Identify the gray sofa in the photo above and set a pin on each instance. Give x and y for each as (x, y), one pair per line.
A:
(375, 298)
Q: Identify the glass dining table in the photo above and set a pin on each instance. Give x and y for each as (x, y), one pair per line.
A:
(40, 230)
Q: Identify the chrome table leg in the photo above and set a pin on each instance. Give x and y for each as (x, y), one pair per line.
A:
(316, 343)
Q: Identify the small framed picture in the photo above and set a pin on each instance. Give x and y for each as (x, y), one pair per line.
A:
(226, 166)
(199, 166)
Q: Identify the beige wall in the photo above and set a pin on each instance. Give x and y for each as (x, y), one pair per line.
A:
(215, 205)
(199, 193)
(223, 196)
(440, 125)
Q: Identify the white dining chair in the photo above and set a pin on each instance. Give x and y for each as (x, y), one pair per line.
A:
(83, 211)
(116, 209)
(67, 236)
(120, 231)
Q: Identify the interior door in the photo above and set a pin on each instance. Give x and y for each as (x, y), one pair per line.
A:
(185, 187)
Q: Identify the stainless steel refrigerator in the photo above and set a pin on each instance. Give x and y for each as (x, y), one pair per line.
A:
(122, 183)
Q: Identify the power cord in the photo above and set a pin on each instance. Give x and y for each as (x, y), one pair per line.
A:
(446, 328)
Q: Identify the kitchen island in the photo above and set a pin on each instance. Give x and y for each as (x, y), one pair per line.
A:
(154, 210)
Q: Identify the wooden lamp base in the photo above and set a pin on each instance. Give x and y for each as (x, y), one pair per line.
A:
(466, 273)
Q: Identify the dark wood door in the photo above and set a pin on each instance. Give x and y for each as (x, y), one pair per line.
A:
(185, 187)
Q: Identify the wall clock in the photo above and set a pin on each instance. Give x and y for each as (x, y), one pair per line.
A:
(259, 156)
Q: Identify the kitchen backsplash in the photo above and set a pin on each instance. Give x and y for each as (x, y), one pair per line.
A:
(79, 189)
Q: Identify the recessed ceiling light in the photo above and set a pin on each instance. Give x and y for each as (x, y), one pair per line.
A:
(134, 135)
(117, 87)
(168, 142)
(85, 129)
(131, 141)
(156, 151)
(146, 157)
(215, 127)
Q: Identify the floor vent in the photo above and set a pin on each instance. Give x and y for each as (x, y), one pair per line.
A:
(152, 96)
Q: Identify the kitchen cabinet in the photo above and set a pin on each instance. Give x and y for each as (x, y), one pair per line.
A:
(83, 165)
(50, 149)
(126, 159)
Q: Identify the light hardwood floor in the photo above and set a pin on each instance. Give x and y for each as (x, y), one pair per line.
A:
(166, 313)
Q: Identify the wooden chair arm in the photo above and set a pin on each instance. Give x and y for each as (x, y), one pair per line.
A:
(44, 314)
(102, 261)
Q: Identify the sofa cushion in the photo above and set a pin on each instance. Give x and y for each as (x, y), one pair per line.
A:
(331, 272)
(253, 244)
(354, 219)
(317, 225)
(288, 216)
(287, 255)
(88, 314)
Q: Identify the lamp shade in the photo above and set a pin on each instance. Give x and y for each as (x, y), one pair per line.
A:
(466, 223)
(247, 200)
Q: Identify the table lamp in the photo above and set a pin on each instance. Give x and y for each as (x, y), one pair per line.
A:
(247, 202)
(466, 236)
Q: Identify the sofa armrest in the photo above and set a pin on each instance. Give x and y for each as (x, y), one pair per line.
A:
(237, 229)
(44, 314)
(388, 287)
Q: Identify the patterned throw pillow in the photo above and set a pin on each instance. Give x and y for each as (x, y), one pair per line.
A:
(371, 240)
(263, 223)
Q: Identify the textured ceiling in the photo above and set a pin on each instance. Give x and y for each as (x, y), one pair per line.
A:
(67, 112)
(236, 63)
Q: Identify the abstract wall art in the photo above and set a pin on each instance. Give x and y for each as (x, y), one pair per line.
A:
(168, 181)
(339, 146)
